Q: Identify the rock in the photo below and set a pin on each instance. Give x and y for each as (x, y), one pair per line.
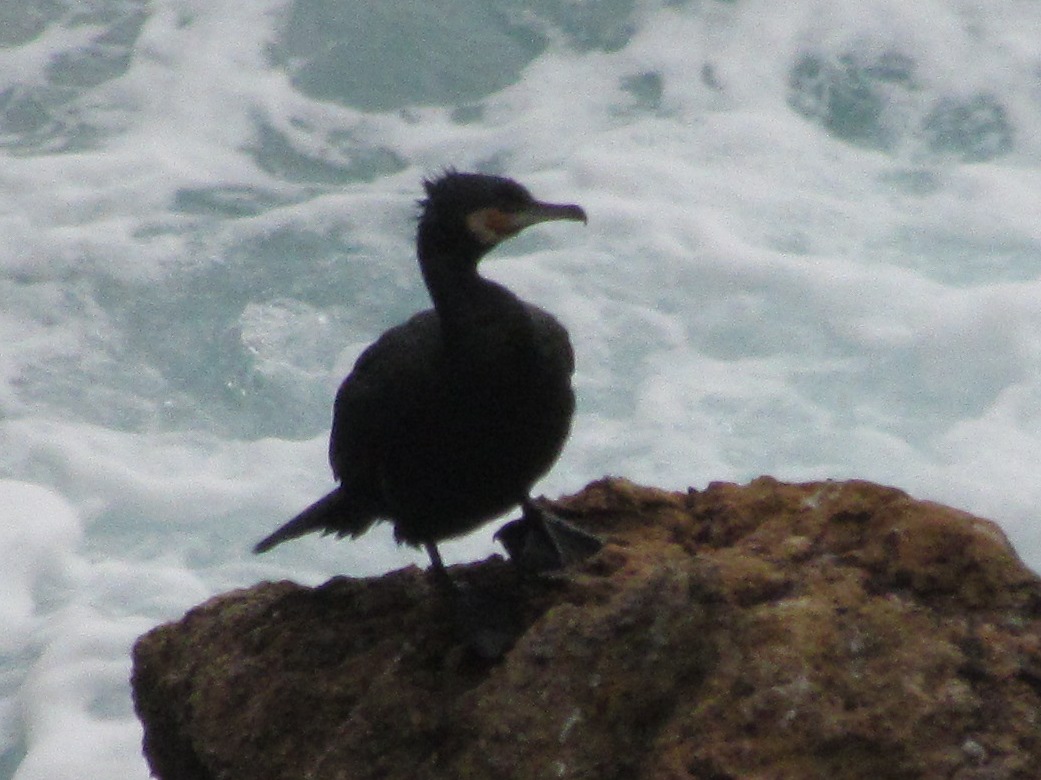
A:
(822, 630)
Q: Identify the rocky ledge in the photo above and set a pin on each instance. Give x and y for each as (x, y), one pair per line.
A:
(822, 630)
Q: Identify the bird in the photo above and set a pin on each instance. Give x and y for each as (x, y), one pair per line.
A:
(448, 419)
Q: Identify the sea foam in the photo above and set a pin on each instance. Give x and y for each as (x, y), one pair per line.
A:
(813, 251)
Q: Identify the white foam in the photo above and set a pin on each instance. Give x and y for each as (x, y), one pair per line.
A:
(39, 532)
(74, 703)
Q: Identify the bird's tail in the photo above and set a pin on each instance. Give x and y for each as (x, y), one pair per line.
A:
(332, 513)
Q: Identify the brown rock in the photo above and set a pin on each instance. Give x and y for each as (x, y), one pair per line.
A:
(772, 631)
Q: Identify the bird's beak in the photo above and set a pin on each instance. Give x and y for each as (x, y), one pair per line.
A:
(546, 212)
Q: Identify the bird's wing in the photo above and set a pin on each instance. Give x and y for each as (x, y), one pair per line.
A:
(393, 378)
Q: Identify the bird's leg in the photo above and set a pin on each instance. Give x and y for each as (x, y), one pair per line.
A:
(438, 570)
(485, 621)
(541, 541)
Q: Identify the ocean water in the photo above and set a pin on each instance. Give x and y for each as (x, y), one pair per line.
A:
(814, 251)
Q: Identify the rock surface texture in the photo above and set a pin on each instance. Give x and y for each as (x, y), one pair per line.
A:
(822, 630)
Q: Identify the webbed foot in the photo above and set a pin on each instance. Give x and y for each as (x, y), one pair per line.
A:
(541, 541)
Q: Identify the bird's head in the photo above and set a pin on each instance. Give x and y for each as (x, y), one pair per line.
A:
(475, 211)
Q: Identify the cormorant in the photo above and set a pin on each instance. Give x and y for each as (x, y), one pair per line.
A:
(447, 420)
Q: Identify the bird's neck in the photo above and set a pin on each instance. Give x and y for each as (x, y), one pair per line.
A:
(460, 295)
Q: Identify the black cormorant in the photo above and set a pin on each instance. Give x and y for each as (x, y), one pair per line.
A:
(447, 420)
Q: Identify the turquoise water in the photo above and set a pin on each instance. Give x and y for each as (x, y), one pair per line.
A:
(814, 251)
